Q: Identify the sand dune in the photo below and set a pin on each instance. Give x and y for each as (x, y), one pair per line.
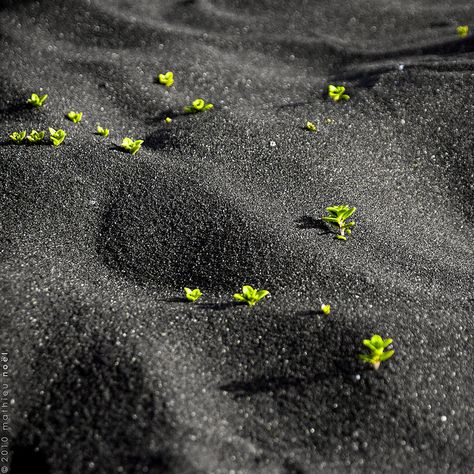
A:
(109, 370)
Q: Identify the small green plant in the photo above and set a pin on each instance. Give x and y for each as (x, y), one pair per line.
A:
(329, 121)
(168, 119)
(462, 31)
(377, 346)
(250, 295)
(166, 79)
(75, 117)
(199, 105)
(18, 137)
(132, 146)
(337, 93)
(311, 127)
(192, 295)
(102, 131)
(35, 137)
(56, 136)
(326, 308)
(37, 101)
(337, 217)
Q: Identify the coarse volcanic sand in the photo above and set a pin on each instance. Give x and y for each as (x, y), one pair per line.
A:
(109, 370)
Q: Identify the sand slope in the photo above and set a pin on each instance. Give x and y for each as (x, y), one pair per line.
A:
(110, 370)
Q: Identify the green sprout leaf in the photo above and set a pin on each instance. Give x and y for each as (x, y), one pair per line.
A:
(462, 31)
(377, 345)
(37, 101)
(35, 137)
(337, 93)
(328, 121)
(168, 119)
(56, 136)
(18, 137)
(311, 127)
(75, 117)
(250, 295)
(336, 219)
(199, 105)
(326, 309)
(102, 131)
(130, 145)
(166, 79)
(192, 295)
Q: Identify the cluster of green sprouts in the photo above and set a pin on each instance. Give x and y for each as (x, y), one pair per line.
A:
(311, 127)
(56, 136)
(337, 219)
(131, 146)
(462, 31)
(377, 346)
(337, 93)
(75, 117)
(199, 105)
(37, 101)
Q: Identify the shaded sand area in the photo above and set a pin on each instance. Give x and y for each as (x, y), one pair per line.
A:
(109, 370)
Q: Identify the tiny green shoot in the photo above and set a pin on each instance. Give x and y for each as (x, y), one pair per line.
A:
(199, 105)
(35, 137)
(18, 137)
(56, 136)
(311, 127)
(168, 119)
(329, 121)
(166, 79)
(337, 93)
(326, 308)
(102, 131)
(337, 217)
(462, 31)
(250, 295)
(37, 101)
(74, 116)
(132, 146)
(377, 347)
(192, 295)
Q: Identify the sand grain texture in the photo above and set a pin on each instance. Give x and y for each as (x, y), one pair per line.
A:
(110, 371)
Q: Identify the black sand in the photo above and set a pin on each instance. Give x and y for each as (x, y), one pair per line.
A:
(109, 370)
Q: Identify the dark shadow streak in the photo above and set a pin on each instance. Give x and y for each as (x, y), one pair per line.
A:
(309, 222)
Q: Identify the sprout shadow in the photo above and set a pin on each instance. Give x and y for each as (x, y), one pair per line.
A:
(309, 222)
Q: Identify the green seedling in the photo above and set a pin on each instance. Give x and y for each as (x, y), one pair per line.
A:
(192, 295)
(36, 101)
(337, 93)
(377, 346)
(56, 136)
(329, 121)
(75, 117)
(102, 131)
(311, 127)
(337, 217)
(250, 295)
(199, 105)
(166, 79)
(326, 308)
(35, 137)
(462, 31)
(18, 137)
(168, 119)
(132, 146)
